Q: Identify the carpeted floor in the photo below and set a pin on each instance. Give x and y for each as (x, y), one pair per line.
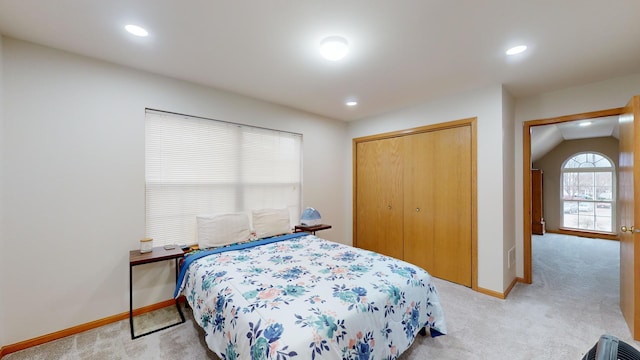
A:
(572, 301)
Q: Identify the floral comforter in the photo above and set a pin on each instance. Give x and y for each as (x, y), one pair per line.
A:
(302, 297)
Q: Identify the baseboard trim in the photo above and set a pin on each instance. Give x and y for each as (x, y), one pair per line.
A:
(493, 293)
(11, 348)
(513, 283)
(588, 234)
(497, 294)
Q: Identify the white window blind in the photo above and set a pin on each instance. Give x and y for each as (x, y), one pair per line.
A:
(200, 166)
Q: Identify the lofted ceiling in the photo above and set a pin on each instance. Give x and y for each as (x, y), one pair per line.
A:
(546, 137)
(401, 53)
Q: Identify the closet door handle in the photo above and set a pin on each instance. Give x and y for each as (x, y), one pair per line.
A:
(389, 206)
(418, 209)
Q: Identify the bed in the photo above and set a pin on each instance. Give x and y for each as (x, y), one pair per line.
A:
(298, 296)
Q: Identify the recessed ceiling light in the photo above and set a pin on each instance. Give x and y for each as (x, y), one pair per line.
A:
(334, 48)
(351, 103)
(516, 50)
(585, 123)
(136, 30)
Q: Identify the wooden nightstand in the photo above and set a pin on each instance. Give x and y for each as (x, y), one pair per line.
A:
(311, 228)
(157, 254)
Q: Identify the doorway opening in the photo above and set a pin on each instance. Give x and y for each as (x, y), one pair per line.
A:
(528, 127)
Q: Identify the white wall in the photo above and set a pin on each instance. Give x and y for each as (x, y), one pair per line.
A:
(74, 181)
(3, 250)
(508, 162)
(602, 95)
(486, 105)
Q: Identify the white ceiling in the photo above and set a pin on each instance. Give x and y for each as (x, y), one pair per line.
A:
(401, 51)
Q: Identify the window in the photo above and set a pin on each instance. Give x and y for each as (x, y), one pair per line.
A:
(199, 166)
(588, 192)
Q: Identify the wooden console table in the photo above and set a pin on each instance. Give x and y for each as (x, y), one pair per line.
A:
(311, 228)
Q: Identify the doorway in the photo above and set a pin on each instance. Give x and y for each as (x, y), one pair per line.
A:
(527, 162)
(628, 210)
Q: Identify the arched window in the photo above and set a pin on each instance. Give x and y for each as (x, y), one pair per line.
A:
(588, 192)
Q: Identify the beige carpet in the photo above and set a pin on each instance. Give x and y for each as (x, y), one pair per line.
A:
(573, 300)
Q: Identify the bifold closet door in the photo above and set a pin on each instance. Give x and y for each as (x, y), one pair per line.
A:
(379, 196)
(438, 203)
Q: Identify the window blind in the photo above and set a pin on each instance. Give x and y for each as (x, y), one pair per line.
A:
(197, 166)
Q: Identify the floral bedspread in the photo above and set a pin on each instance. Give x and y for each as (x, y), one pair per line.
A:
(302, 297)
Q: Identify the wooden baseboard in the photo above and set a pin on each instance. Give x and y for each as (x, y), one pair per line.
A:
(8, 349)
(588, 234)
(510, 287)
(493, 293)
(499, 295)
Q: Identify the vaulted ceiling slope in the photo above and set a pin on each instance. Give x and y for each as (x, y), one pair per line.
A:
(546, 137)
(401, 52)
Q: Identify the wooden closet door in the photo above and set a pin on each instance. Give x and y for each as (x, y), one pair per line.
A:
(438, 203)
(419, 189)
(379, 196)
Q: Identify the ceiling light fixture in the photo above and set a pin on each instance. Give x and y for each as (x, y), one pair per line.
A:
(136, 30)
(516, 50)
(334, 48)
(585, 123)
(351, 103)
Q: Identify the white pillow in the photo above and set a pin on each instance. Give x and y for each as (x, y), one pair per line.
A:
(222, 229)
(271, 222)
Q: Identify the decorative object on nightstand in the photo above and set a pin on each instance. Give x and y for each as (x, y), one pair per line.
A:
(310, 216)
(146, 245)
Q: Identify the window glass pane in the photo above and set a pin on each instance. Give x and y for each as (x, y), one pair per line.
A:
(570, 216)
(572, 163)
(580, 158)
(604, 213)
(604, 186)
(585, 185)
(603, 162)
(570, 185)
